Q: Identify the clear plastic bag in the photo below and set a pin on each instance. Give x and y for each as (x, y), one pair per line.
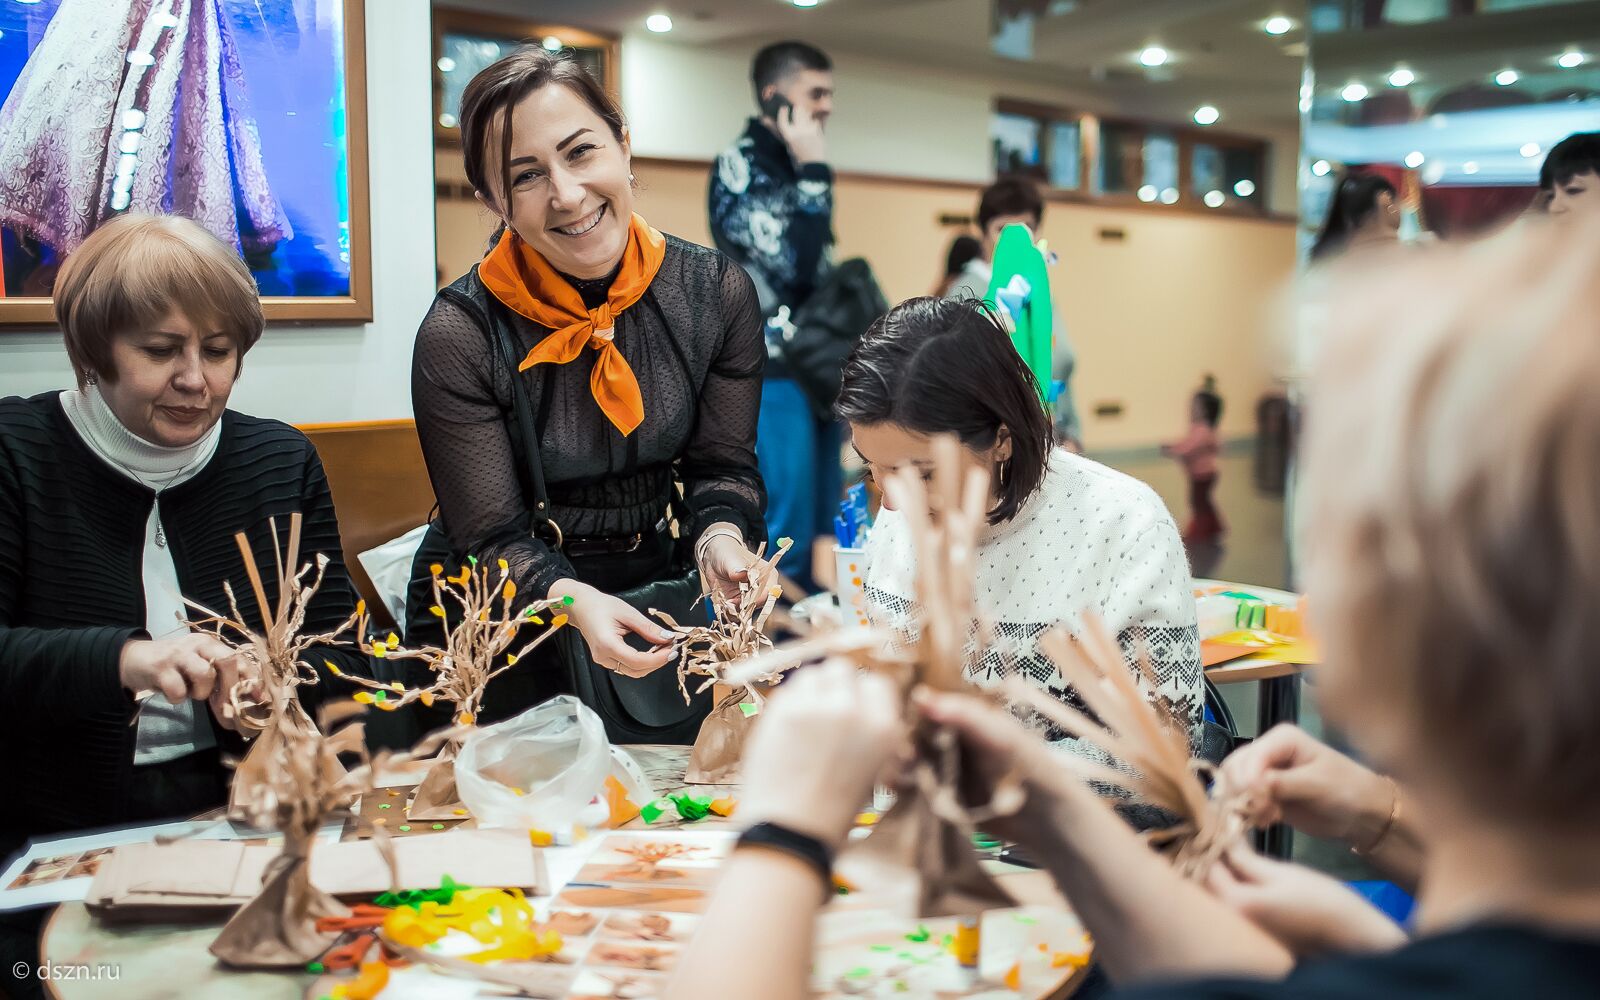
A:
(545, 770)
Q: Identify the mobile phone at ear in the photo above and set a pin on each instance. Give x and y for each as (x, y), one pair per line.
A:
(774, 106)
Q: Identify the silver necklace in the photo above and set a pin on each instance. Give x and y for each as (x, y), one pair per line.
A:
(160, 487)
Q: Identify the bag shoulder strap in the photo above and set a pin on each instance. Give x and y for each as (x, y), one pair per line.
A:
(500, 339)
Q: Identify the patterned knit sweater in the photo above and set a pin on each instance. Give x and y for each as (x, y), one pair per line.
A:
(1090, 540)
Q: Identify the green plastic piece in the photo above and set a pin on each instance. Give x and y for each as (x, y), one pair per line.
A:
(749, 708)
(883, 947)
(1023, 919)
(380, 696)
(404, 828)
(315, 968)
(949, 939)
(651, 811)
(1015, 255)
(691, 807)
(473, 561)
(438, 826)
(384, 805)
(920, 935)
(901, 986)
(785, 541)
(567, 600)
(414, 898)
(859, 972)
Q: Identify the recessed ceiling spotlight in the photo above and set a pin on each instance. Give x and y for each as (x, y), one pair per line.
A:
(1148, 193)
(1245, 188)
(1206, 115)
(1169, 196)
(1215, 199)
(1415, 159)
(1507, 77)
(1354, 92)
(658, 23)
(1531, 149)
(1402, 77)
(1278, 26)
(551, 43)
(1570, 60)
(1470, 167)
(1155, 55)
(446, 64)
(806, 3)
(1322, 168)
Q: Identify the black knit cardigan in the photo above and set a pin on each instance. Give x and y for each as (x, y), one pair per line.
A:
(71, 594)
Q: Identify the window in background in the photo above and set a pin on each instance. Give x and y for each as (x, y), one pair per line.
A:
(1120, 168)
(1066, 155)
(467, 42)
(1227, 175)
(1014, 140)
(1161, 167)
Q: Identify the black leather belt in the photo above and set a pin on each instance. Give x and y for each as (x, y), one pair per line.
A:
(603, 545)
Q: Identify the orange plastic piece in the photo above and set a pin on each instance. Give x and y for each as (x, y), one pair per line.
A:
(623, 809)
(540, 838)
(725, 806)
(367, 984)
(1013, 978)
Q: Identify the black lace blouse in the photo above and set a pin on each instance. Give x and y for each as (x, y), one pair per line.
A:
(693, 341)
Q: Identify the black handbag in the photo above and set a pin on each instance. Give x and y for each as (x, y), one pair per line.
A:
(827, 327)
(647, 709)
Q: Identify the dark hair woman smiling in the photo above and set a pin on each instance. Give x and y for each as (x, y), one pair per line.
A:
(1066, 535)
(640, 355)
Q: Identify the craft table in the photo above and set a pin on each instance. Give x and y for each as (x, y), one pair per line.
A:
(161, 961)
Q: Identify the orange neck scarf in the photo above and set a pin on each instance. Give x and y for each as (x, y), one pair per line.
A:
(520, 277)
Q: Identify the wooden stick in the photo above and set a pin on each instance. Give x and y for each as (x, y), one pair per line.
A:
(267, 617)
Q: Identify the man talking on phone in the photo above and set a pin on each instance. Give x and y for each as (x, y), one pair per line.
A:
(771, 202)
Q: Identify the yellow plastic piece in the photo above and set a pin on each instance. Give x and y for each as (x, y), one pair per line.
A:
(426, 698)
(509, 590)
(965, 944)
(505, 567)
(540, 838)
(364, 697)
(866, 819)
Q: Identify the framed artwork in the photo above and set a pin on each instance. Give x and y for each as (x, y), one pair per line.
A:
(465, 42)
(248, 116)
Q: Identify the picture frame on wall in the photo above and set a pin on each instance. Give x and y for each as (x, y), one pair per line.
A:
(248, 116)
(465, 42)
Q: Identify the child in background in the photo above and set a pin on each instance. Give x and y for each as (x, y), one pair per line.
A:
(1197, 452)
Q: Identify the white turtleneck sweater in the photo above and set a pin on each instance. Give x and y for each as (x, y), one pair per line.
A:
(166, 731)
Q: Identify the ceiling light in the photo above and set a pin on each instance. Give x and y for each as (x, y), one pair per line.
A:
(1322, 168)
(1278, 26)
(1155, 55)
(1206, 115)
(1530, 150)
(1507, 77)
(1402, 77)
(1215, 199)
(447, 120)
(1470, 167)
(1169, 196)
(1570, 60)
(1354, 92)
(552, 44)
(446, 64)
(658, 23)
(1245, 188)
(1415, 159)
(806, 3)
(1148, 193)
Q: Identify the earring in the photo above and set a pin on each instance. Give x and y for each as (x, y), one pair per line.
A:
(90, 378)
(1004, 473)
(630, 178)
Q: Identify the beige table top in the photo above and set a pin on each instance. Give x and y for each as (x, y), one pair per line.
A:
(154, 962)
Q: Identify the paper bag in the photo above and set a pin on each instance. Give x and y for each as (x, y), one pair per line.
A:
(437, 797)
(721, 741)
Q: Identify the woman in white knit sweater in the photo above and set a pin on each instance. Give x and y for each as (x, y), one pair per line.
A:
(1066, 536)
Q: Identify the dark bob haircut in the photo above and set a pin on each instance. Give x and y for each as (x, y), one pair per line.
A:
(780, 60)
(1010, 196)
(947, 366)
(1578, 153)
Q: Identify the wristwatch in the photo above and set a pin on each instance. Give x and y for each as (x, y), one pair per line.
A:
(776, 837)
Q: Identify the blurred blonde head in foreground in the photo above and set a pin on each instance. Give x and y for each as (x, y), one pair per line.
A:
(1453, 502)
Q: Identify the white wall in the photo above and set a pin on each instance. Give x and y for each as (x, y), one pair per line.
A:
(895, 118)
(335, 372)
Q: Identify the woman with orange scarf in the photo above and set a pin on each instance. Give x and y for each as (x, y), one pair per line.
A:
(639, 354)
